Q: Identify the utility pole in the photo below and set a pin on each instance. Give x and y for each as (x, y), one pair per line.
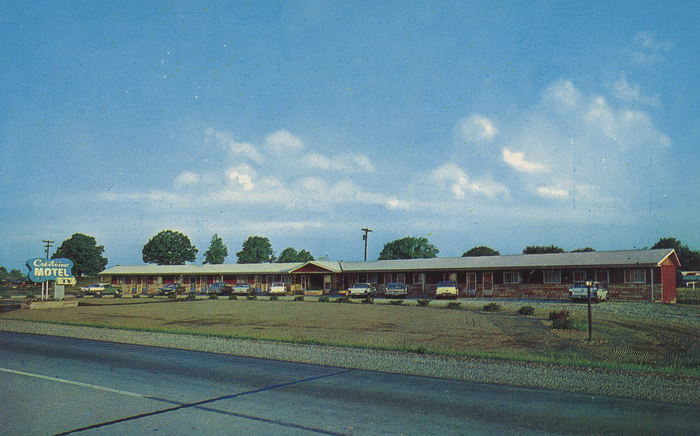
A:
(47, 246)
(45, 285)
(364, 237)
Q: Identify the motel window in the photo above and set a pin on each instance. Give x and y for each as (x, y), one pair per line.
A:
(511, 277)
(635, 276)
(372, 278)
(580, 276)
(418, 278)
(401, 278)
(387, 278)
(552, 276)
(242, 279)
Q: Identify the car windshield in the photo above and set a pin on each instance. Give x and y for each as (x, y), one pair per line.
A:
(361, 285)
(278, 284)
(446, 284)
(395, 286)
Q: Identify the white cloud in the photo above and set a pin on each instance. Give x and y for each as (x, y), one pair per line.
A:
(648, 49)
(551, 192)
(235, 148)
(477, 128)
(282, 142)
(562, 94)
(186, 178)
(460, 184)
(517, 161)
(625, 91)
(627, 128)
(345, 162)
(242, 175)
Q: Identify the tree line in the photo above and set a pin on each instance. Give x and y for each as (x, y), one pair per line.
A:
(170, 247)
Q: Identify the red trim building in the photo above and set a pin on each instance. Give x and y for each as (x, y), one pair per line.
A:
(644, 275)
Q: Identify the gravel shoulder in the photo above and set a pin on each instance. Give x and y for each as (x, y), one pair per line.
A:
(595, 381)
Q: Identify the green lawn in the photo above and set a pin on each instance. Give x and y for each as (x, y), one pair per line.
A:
(663, 337)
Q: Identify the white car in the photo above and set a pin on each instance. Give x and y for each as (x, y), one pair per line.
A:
(95, 287)
(242, 289)
(446, 290)
(362, 290)
(278, 288)
(579, 291)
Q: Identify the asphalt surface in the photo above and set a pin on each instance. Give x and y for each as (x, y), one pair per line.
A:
(52, 385)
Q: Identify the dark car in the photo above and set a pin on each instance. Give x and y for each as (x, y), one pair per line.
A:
(396, 290)
(171, 289)
(219, 288)
(100, 289)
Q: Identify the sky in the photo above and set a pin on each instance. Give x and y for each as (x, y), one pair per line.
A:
(504, 124)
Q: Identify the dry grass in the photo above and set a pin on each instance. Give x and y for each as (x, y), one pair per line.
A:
(617, 339)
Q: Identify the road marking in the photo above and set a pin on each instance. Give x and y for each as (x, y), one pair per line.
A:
(75, 383)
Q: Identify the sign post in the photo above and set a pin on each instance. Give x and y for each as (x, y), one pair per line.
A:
(590, 316)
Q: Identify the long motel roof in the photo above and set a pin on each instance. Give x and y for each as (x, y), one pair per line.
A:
(623, 258)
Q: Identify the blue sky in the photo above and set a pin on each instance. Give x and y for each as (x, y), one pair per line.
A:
(470, 123)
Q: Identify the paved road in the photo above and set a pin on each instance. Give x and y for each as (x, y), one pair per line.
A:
(51, 385)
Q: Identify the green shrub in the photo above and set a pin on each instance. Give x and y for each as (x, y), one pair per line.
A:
(299, 298)
(211, 297)
(136, 296)
(191, 297)
(98, 295)
(274, 297)
(324, 299)
(526, 310)
(560, 320)
(343, 299)
(396, 302)
(251, 297)
(453, 305)
(423, 302)
(118, 295)
(554, 314)
(233, 297)
(491, 307)
(368, 300)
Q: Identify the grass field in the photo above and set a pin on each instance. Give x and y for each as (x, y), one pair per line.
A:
(651, 335)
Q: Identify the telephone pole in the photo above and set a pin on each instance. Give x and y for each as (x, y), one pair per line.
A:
(47, 246)
(364, 237)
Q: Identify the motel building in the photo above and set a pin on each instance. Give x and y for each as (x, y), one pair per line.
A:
(641, 275)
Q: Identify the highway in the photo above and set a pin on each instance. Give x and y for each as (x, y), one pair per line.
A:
(51, 385)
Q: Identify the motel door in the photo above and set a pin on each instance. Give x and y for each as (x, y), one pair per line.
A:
(471, 284)
(488, 284)
(304, 282)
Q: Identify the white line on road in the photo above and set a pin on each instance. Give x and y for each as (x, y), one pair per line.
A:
(71, 382)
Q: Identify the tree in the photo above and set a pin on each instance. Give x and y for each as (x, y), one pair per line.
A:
(541, 249)
(408, 248)
(169, 248)
(481, 251)
(16, 275)
(3, 274)
(690, 259)
(583, 250)
(290, 254)
(256, 249)
(84, 252)
(217, 251)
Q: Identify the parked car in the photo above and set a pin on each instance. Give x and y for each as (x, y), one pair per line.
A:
(94, 287)
(278, 288)
(219, 288)
(579, 291)
(100, 289)
(243, 289)
(171, 289)
(362, 290)
(396, 290)
(446, 290)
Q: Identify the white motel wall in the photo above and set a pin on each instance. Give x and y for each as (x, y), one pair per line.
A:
(644, 275)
